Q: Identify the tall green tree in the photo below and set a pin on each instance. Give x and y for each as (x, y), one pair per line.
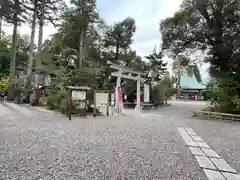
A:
(15, 15)
(119, 37)
(48, 11)
(162, 90)
(4, 57)
(5, 54)
(212, 27)
(28, 80)
(80, 18)
(155, 66)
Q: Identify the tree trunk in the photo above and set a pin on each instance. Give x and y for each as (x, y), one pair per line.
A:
(41, 23)
(85, 47)
(14, 50)
(31, 48)
(10, 96)
(117, 51)
(1, 20)
(40, 35)
(80, 55)
(178, 83)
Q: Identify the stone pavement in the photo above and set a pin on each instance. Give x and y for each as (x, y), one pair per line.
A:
(212, 164)
(40, 144)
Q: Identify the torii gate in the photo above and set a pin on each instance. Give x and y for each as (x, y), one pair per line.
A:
(119, 74)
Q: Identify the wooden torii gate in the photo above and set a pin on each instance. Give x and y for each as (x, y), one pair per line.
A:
(120, 74)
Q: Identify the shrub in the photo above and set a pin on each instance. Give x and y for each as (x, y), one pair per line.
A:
(52, 102)
(4, 84)
(64, 105)
(58, 95)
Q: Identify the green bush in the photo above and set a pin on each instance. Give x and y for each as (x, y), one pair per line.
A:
(162, 91)
(52, 102)
(58, 95)
(64, 105)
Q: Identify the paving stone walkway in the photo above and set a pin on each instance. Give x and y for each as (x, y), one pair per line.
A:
(213, 165)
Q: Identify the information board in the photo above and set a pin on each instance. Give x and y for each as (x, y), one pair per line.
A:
(79, 95)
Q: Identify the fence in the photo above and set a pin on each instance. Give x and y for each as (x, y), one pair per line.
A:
(216, 115)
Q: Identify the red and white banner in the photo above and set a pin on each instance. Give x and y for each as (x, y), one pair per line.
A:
(120, 96)
(120, 100)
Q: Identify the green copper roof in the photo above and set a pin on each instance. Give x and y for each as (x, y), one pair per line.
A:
(188, 82)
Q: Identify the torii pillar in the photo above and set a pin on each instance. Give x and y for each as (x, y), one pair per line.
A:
(138, 105)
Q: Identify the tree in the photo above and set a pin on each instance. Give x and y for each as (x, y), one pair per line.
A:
(211, 27)
(206, 25)
(48, 11)
(4, 7)
(4, 57)
(15, 14)
(155, 66)
(63, 48)
(28, 80)
(5, 54)
(163, 90)
(40, 10)
(119, 37)
(1, 21)
(80, 19)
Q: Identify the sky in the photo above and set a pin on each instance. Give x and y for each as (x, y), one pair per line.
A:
(147, 14)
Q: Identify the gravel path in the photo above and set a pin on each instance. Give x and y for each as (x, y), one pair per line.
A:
(38, 144)
(45, 146)
(222, 136)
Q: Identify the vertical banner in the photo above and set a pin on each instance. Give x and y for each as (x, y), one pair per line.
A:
(146, 93)
(120, 100)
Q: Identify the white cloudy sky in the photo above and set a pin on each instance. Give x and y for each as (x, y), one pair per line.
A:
(147, 14)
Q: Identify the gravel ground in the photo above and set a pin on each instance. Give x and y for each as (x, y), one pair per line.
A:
(45, 146)
(38, 144)
(222, 136)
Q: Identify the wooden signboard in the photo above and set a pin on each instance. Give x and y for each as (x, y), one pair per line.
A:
(78, 94)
